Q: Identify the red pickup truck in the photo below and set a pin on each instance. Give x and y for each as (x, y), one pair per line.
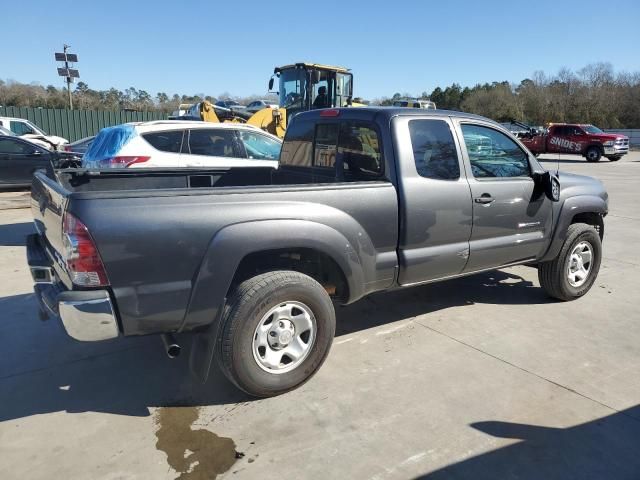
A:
(577, 139)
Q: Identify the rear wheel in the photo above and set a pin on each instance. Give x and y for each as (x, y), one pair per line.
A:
(278, 329)
(572, 273)
(614, 158)
(593, 154)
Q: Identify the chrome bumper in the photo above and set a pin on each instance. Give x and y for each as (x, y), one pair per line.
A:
(87, 316)
(88, 319)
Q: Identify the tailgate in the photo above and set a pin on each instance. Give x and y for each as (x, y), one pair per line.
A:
(48, 203)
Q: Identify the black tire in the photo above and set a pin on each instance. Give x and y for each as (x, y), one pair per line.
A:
(593, 154)
(553, 275)
(250, 302)
(614, 158)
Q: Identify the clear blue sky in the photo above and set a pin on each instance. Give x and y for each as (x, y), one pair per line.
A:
(211, 47)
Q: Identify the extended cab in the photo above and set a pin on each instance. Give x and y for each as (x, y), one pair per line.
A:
(576, 139)
(250, 262)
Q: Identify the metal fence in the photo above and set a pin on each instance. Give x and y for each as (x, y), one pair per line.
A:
(76, 124)
(632, 133)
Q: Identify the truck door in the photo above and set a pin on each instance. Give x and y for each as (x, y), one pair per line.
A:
(512, 219)
(435, 200)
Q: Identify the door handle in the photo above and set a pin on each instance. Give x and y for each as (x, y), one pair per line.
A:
(485, 198)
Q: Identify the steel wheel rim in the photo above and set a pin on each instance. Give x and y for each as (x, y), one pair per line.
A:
(284, 337)
(592, 154)
(580, 262)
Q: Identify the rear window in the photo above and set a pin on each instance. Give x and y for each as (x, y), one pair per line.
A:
(165, 141)
(344, 151)
(298, 144)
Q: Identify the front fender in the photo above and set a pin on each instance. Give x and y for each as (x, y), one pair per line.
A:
(570, 208)
(231, 244)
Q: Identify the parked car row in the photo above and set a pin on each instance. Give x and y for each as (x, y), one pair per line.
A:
(21, 158)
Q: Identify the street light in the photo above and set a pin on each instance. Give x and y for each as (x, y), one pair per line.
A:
(69, 73)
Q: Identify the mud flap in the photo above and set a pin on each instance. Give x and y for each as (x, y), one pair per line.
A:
(204, 347)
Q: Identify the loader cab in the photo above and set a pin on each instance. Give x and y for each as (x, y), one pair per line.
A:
(307, 86)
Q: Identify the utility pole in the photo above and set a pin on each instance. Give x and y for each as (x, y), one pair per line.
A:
(68, 73)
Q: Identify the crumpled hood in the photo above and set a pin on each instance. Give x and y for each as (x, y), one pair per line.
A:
(50, 142)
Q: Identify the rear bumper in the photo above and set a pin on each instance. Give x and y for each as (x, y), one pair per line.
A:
(87, 316)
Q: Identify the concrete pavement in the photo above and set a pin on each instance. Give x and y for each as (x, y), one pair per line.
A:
(481, 377)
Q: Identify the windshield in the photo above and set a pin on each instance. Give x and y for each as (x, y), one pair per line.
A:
(293, 84)
(592, 129)
(36, 129)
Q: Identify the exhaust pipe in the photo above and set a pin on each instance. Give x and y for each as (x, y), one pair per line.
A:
(170, 345)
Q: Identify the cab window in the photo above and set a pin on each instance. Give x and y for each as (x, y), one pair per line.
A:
(492, 154)
(434, 150)
(20, 128)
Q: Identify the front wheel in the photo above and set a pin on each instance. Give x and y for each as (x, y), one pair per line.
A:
(278, 330)
(593, 154)
(572, 273)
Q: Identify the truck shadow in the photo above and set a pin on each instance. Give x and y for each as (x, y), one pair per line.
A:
(499, 287)
(602, 448)
(15, 234)
(45, 371)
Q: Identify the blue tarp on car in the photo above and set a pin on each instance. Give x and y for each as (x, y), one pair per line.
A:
(107, 144)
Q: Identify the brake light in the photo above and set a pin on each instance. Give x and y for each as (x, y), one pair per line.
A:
(126, 161)
(83, 261)
(330, 112)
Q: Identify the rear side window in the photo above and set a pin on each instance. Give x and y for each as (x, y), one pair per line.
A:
(359, 152)
(165, 141)
(434, 150)
(214, 143)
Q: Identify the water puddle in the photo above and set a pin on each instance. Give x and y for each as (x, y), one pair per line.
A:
(194, 454)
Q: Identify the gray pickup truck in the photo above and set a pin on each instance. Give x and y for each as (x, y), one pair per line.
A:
(249, 262)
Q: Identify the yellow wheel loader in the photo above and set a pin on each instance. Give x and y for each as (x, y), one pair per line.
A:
(301, 87)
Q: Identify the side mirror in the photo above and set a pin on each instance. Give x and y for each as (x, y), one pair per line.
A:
(315, 76)
(271, 84)
(549, 183)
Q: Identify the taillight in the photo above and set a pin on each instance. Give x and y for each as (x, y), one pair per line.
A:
(81, 255)
(126, 161)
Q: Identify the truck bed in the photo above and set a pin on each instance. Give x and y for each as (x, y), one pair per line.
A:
(82, 180)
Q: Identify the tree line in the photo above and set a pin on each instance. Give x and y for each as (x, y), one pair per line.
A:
(594, 94)
(18, 94)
